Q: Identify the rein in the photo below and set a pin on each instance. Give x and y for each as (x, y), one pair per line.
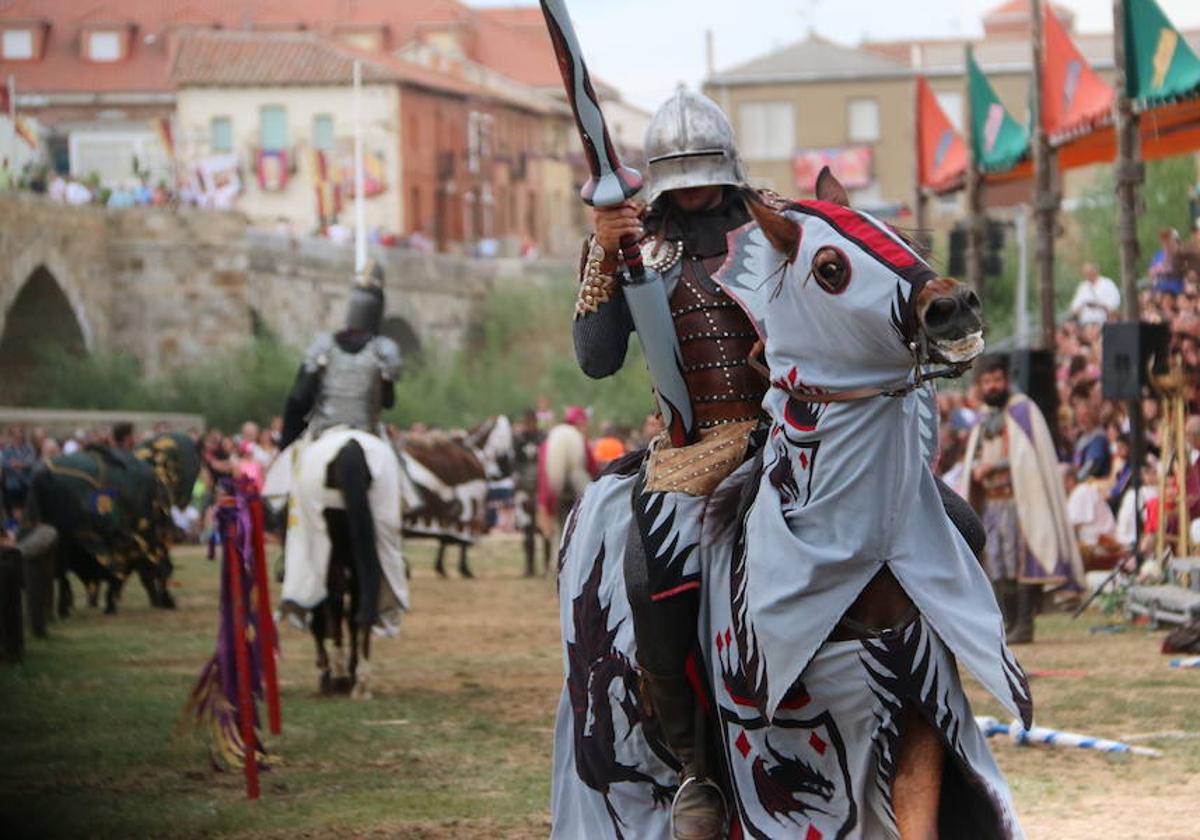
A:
(919, 378)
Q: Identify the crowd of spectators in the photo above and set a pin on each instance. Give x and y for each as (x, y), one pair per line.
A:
(248, 454)
(1093, 434)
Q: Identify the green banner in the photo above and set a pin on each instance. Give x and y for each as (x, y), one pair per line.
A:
(999, 142)
(1160, 66)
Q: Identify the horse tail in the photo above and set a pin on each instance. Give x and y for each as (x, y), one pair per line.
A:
(353, 477)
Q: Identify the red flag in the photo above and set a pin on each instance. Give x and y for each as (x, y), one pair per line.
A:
(942, 158)
(1074, 98)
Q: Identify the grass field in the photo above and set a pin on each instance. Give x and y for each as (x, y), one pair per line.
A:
(457, 741)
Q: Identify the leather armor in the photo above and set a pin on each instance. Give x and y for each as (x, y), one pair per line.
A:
(715, 338)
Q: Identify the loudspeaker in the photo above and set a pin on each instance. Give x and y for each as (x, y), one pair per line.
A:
(1032, 373)
(1131, 349)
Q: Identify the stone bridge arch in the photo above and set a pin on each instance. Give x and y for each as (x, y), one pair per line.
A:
(38, 317)
(40, 259)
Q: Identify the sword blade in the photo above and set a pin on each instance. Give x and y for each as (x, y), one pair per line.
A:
(612, 182)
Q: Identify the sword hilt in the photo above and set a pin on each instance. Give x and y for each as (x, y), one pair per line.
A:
(631, 256)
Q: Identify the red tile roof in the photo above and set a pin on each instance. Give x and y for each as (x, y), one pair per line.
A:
(233, 59)
(511, 41)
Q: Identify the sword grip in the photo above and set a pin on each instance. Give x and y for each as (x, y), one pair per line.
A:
(631, 256)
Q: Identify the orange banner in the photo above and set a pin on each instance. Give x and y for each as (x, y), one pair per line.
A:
(942, 153)
(1074, 98)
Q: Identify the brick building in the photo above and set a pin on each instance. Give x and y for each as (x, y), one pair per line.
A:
(480, 143)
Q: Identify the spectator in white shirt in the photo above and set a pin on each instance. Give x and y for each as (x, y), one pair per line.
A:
(1097, 298)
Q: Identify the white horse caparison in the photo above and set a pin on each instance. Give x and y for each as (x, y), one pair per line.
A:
(821, 734)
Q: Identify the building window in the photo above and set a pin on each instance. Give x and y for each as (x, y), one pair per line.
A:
(863, 120)
(767, 130)
(952, 104)
(322, 136)
(272, 128)
(221, 134)
(18, 44)
(104, 46)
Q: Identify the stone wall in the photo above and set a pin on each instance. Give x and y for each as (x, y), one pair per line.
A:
(176, 287)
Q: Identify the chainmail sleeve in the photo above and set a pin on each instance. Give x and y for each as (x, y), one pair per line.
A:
(602, 338)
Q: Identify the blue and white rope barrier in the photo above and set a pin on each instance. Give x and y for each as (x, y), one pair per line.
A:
(1018, 734)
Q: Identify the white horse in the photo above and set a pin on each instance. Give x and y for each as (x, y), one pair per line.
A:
(342, 555)
(837, 595)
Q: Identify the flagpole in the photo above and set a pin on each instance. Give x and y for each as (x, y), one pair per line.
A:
(1129, 175)
(12, 126)
(1130, 171)
(360, 210)
(921, 197)
(974, 188)
(1045, 199)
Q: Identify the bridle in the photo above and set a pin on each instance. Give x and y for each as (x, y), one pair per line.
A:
(918, 347)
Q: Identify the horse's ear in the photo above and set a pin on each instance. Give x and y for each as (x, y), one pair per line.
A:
(830, 189)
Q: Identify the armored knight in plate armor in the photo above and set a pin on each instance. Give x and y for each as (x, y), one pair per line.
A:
(348, 377)
(342, 460)
(697, 195)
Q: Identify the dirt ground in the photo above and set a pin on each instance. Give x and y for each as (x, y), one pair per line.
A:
(457, 741)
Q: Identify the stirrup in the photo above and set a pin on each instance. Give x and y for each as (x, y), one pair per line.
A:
(697, 780)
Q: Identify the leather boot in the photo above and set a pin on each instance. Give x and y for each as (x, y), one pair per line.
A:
(698, 811)
(1006, 598)
(1028, 596)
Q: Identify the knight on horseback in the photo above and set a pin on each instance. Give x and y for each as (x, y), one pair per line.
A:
(697, 196)
(345, 482)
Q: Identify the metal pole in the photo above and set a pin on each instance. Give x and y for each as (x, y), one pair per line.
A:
(921, 200)
(360, 210)
(1130, 171)
(1045, 199)
(1021, 319)
(975, 221)
(12, 129)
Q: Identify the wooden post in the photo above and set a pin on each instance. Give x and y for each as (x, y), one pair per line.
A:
(1129, 175)
(241, 652)
(974, 189)
(1130, 171)
(1045, 198)
(267, 639)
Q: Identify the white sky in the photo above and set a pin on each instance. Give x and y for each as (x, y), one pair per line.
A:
(647, 47)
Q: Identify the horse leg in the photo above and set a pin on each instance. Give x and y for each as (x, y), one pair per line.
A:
(340, 679)
(439, 563)
(883, 605)
(464, 568)
(320, 623)
(917, 785)
(112, 596)
(362, 647)
(147, 575)
(530, 544)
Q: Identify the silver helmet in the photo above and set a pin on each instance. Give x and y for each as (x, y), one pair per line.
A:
(689, 143)
(364, 309)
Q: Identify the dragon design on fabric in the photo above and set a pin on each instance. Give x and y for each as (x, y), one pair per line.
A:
(901, 669)
(667, 559)
(594, 664)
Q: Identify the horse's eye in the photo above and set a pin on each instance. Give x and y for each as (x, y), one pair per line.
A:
(832, 270)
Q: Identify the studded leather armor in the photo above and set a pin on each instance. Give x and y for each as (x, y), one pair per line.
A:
(715, 338)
